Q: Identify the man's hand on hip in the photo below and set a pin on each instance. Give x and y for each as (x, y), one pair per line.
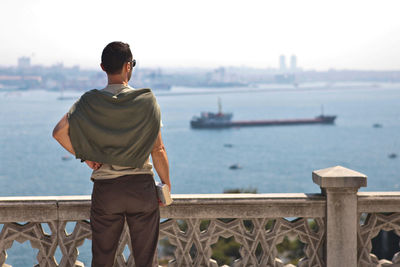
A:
(93, 165)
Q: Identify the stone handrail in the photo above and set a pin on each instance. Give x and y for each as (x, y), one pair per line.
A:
(337, 240)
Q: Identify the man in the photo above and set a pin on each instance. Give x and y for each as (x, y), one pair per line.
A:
(114, 131)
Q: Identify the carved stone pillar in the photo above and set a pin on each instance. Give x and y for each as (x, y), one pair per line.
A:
(340, 186)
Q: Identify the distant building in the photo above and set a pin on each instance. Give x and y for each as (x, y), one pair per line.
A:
(218, 75)
(24, 63)
(286, 78)
(282, 63)
(59, 66)
(293, 63)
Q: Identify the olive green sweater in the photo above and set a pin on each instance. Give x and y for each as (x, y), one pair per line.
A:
(115, 129)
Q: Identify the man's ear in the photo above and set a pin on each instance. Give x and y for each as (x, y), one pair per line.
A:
(127, 66)
(102, 67)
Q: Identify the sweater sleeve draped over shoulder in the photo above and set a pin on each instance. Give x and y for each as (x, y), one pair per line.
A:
(115, 129)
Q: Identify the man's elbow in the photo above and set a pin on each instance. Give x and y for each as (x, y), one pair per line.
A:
(55, 134)
(60, 128)
(58, 134)
(159, 151)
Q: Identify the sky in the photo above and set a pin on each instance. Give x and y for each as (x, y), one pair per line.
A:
(323, 34)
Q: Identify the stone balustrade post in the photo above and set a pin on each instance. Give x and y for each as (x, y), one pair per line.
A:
(340, 186)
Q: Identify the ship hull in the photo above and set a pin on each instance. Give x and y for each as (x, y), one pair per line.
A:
(317, 120)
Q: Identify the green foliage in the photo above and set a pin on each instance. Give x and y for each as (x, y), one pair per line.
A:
(204, 225)
(182, 225)
(291, 249)
(225, 251)
(167, 248)
(251, 190)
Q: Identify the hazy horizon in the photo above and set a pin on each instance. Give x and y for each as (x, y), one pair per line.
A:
(199, 68)
(355, 35)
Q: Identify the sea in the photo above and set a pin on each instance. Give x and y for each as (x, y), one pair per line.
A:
(272, 159)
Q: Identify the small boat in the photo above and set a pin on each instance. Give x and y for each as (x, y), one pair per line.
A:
(377, 125)
(235, 166)
(392, 156)
(228, 145)
(63, 97)
(66, 157)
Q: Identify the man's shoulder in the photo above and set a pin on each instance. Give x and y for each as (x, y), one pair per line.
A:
(89, 93)
(145, 90)
(140, 93)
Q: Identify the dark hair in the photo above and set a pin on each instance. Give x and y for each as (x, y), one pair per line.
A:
(114, 56)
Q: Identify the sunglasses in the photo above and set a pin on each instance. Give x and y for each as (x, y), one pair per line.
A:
(133, 63)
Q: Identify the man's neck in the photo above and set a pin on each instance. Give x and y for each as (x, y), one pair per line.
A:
(117, 82)
(117, 79)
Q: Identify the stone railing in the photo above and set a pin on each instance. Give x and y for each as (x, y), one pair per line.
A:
(328, 224)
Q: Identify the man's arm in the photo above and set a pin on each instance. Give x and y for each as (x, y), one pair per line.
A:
(160, 161)
(61, 134)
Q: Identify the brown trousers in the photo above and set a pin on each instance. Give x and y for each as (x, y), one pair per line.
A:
(130, 197)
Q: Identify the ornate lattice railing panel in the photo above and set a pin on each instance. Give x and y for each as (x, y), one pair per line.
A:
(248, 239)
(374, 223)
(313, 240)
(32, 232)
(69, 243)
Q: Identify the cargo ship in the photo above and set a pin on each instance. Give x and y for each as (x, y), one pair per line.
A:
(211, 120)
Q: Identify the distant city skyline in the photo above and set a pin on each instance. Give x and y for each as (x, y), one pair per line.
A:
(359, 35)
(24, 62)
